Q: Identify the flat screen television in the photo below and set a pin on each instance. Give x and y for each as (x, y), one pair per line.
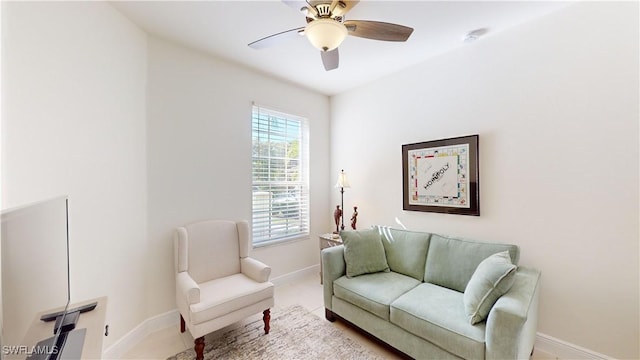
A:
(35, 278)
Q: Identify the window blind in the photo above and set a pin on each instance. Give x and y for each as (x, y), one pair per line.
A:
(280, 153)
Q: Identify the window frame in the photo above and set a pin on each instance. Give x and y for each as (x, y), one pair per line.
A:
(279, 177)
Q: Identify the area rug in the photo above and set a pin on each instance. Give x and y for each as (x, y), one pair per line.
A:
(295, 334)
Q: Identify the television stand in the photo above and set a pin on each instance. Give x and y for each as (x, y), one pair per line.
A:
(91, 343)
(81, 309)
(69, 322)
(70, 319)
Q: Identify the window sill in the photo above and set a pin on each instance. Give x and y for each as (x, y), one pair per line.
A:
(283, 241)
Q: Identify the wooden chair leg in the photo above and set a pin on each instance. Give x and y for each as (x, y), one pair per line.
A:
(266, 317)
(199, 348)
(182, 324)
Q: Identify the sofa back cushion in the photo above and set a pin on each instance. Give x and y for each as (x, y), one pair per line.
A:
(451, 262)
(406, 251)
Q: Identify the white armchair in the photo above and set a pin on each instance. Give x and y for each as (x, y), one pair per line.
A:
(217, 283)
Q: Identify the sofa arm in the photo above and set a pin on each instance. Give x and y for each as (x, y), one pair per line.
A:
(333, 267)
(255, 269)
(186, 289)
(512, 322)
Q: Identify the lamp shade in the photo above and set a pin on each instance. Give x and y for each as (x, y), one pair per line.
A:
(325, 34)
(343, 182)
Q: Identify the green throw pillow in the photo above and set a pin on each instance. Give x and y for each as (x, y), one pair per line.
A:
(363, 252)
(493, 277)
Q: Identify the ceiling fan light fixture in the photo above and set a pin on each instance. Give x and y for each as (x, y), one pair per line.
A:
(325, 34)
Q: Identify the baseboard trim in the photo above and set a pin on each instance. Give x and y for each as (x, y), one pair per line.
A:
(140, 332)
(298, 274)
(564, 350)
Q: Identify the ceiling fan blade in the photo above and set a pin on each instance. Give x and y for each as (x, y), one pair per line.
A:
(275, 39)
(334, 3)
(378, 30)
(344, 6)
(301, 6)
(296, 5)
(330, 59)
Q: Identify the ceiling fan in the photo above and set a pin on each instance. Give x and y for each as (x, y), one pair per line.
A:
(326, 28)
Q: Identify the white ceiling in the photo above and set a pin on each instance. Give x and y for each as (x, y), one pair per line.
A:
(224, 28)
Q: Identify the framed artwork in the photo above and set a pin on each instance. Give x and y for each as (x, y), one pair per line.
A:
(442, 176)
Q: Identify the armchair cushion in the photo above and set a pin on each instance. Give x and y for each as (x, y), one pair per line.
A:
(255, 269)
(213, 249)
(493, 278)
(225, 295)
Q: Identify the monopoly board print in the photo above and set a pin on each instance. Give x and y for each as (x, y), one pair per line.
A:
(442, 176)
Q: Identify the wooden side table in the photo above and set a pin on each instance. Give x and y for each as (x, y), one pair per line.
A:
(326, 241)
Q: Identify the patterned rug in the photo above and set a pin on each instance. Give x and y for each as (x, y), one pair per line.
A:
(295, 334)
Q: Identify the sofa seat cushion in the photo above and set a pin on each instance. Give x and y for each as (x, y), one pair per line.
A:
(374, 292)
(228, 294)
(437, 315)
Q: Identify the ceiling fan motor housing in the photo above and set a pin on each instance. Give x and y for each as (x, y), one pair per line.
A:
(324, 10)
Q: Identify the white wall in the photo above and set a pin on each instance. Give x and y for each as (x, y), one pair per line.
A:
(199, 156)
(143, 136)
(73, 122)
(90, 111)
(555, 103)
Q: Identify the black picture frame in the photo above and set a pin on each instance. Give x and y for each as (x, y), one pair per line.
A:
(428, 183)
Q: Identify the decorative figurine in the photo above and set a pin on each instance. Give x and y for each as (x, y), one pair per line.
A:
(336, 216)
(354, 218)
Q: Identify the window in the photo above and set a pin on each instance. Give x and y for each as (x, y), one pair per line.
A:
(280, 172)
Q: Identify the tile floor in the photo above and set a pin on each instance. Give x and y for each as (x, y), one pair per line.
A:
(305, 291)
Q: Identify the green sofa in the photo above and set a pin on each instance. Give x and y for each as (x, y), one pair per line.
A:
(420, 302)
